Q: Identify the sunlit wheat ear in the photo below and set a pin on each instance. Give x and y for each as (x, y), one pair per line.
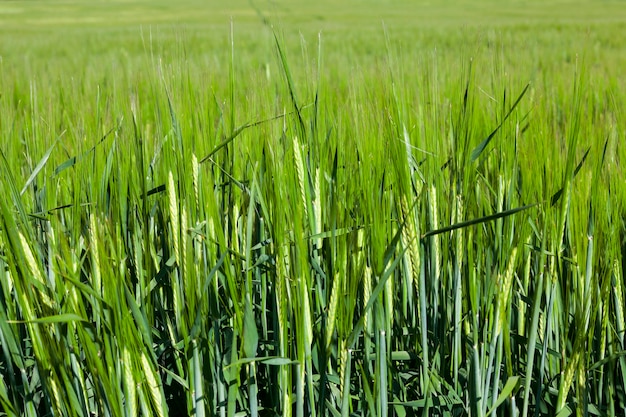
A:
(410, 241)
(525, 279)
(618, 296)
(317, 212)
(331, 320)
(567, 379)
(344, 354)
(195, 172)
(411, 255)
(35, 270)
(174, 216)
(130, 388)
(153, 386)
(184, 227)
(95, 254)
(307, 321)
(297, 154)
(56, 393)
(504, 292)
(434, 224)
(367, 293)
(367, 280)
(282, 297)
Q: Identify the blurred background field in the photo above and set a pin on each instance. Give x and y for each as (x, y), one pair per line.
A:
(77, 49)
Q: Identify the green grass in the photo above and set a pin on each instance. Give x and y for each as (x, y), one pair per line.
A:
(370, 209)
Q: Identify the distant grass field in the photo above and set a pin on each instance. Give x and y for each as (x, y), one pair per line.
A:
(312, 208)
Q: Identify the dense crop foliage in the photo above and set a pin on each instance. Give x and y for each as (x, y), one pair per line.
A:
(379, 210)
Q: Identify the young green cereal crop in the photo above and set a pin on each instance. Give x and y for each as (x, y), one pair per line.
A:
(312, 209)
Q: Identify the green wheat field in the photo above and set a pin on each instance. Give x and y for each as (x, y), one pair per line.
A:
(299, 208)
